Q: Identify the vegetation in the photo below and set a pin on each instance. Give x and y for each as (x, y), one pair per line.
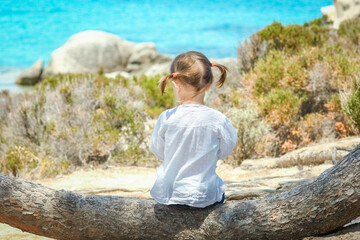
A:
(351, 105)
(293, 38)
(76, 120)
(350, 29)
(300, 74)
(251, 131)
(155, 102)
(297, 84)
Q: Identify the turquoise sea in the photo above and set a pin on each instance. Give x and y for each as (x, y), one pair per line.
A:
(32, 29)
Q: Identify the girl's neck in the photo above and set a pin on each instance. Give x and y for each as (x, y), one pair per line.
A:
(192, 102)
(198, 99)
(186, 94)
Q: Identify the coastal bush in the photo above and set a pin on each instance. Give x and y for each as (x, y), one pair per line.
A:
(344, 65)
(269, 71)
(248, 52)
(334, 104)
(281, 106)
(351, 104)
(155, 101)
(301, 73)
(73, 121)
(53, 81)
(293, 38)
(279, 86)
(251, 131)
(5, 103)
(351, 30)
(23, 161)
(279, 70)
(16, 159)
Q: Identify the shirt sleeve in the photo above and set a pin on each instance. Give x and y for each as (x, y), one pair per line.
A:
(157, 139)
(227, 137)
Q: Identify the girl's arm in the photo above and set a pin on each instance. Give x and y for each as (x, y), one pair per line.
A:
(157, 139)
(227, 137)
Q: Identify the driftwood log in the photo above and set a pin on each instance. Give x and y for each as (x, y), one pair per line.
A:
(317, 207)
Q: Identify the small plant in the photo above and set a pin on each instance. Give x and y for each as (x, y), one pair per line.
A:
(248, 52)
(269, 72)
(350, 29)
(334, 105)
(251, 131)
(74, 121)
(351, 105)
(293, 38)
(152, 95)
(295, 74)
(281, 106)
(18, 159)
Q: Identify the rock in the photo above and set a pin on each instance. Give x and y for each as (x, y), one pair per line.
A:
(315, 155)
(262, 163)
(155, 69)
(90, 51)
(144, 56)
(115, 74)
(31, 75)
(345, 9)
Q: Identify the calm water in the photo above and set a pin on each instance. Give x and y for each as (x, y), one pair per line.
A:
(32, 29)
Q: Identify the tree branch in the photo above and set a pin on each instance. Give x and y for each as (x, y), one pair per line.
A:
(318, 207)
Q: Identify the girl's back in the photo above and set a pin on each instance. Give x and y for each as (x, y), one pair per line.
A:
(196, 137)
(191, 137)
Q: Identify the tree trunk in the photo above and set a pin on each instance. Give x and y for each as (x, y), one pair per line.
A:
(323, 205)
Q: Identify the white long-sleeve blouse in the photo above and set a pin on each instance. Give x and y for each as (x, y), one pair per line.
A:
(190, 139)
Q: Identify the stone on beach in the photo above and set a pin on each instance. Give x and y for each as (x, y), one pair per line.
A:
(144, 56)
(90, 51)
(31, 75)
(93, 51)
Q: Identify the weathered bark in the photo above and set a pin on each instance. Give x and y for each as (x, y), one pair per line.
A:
(325, 204)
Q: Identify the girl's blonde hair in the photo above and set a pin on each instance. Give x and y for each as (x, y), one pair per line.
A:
(193, 68)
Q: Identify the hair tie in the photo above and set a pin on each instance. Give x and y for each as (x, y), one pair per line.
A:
(174, 75)
(213, 64)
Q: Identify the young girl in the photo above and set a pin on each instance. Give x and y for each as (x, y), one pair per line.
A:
(191, 137)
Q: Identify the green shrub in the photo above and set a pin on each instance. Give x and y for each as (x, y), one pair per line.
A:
(53, 81)
(73, 121)
(351, 105)
(155, 101)
(251, 131)
(350, 29)
(279, 70)
(269, 72)
(303, 68)
(320, 22)
(293, 38)
(344, 63)
(281, 106)
(334, 103)
(295, 74)
(17, 159)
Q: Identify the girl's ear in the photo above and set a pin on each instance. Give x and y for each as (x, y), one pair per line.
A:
(208, 88)
(176, 85)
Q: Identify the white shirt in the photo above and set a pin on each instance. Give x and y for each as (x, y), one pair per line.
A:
(190, 139)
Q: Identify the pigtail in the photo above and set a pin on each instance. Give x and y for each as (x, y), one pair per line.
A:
(223, 71)
(163, 83)
(165, 80)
